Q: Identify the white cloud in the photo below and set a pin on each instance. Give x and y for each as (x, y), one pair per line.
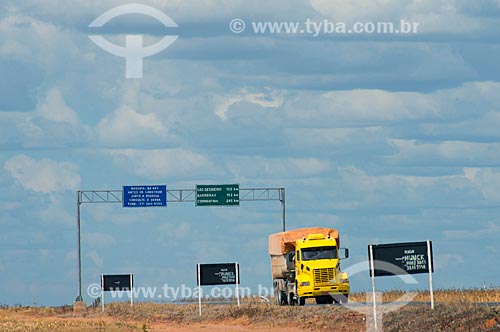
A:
(161, 164)
(130, 125)
(9, 206)
(108, 213)
(360, 107)
(361, 190)
(487, 181)
(257, 167)
(45, 44)
(127, 125)
(447, 260)
(51, 123)
(433, 15)
(99, 239)
(55, 109)
(448, 153)
(43, 175)
(57, 212)
(14, 49)
(490, 229)
(96, 259)
(179, 10)
(267, 99)
(171, 231)
(359, 9)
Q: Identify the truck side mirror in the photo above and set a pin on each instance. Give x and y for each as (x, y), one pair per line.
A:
(290, 261)
(345, 253)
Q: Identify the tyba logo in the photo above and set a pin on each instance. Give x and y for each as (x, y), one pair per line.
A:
(133, 52)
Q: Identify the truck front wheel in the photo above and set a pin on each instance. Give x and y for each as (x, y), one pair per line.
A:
(302, 301)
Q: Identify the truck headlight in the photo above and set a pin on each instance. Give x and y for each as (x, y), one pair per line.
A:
(344, 280)
(305, 283)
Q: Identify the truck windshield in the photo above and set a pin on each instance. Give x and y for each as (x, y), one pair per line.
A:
(309, 254)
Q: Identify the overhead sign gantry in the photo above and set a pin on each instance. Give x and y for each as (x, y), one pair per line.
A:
(160, 196)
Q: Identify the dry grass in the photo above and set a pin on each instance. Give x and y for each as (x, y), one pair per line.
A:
(446, 317)
(455, 313)
(13, 323)
(489, 295)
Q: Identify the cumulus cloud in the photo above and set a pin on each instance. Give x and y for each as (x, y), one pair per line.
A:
(164, 163)
(99, 239)
(96, 259)
(56, 211)
(127, 125)
(260, 167)
(43, 175)
(446, 260)
(53, 123)
(179, 10)
(14, 49)
(487, 181)
(365, 107)
(362, 107)
(489, 229)
(266, 99)
(42, 40)
(170, 231)
(433, 15)
(55, 109)
(446, 153)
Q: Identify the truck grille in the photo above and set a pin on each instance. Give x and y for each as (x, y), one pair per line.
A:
(324, 276)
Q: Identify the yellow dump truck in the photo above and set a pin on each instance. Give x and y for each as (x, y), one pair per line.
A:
(305, 264)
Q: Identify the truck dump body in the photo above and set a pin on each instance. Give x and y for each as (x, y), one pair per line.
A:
(284, 242)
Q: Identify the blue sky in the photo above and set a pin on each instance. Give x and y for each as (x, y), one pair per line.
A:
(388, 138)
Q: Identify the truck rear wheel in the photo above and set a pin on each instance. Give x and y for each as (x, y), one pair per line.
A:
(282, 298)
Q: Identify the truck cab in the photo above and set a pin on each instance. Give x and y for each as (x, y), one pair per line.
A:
(317, 270)
(305, 263)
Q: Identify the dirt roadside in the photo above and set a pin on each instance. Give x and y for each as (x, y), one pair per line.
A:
(217, 328)
(147, 317)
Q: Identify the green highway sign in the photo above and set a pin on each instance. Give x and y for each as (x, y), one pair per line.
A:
(218, 195)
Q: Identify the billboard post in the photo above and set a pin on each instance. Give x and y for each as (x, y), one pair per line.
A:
(374, 295)
(237, 267)
(199, 288)
(429, 255)
(102, 292)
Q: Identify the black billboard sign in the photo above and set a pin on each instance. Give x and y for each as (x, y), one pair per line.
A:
(218, 274)
(401, 258)
(117, 282)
